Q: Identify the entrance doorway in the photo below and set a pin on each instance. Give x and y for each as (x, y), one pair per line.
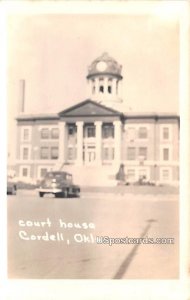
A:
(90, 155)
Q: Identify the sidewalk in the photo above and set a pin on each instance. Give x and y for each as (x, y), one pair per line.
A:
(132, 189)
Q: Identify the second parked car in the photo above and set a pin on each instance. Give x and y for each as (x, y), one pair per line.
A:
(11, 186)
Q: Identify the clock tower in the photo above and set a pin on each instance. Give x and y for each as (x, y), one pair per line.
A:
(104, 80)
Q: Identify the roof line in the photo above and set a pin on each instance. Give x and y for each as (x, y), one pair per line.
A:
(89, 101)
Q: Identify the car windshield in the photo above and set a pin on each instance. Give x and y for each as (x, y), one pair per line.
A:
(58, 175)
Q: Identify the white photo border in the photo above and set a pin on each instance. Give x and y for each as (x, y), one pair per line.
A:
(104, 289)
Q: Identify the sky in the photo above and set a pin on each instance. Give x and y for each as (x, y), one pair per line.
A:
(52, 54)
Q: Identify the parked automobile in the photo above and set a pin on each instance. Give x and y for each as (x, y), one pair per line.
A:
(11, 186)
(60, 184)
(143, 181)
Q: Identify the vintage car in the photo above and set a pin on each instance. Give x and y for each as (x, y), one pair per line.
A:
(11, 186)
(60, 184)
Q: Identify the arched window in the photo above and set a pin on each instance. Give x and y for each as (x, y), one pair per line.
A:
(101, 89)
(109, 90)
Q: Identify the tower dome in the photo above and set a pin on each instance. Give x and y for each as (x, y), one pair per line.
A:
(104, 64)
(104, 80)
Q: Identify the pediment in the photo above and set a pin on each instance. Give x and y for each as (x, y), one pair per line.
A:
(88, 108)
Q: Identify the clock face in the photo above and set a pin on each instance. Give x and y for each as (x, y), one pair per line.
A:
(101, 66)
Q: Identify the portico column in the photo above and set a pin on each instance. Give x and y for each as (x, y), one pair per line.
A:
(98, 125)
(79, 160)
(117, 141)
(62, 142)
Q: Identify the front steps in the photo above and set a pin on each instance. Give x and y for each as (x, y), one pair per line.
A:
(92, 175)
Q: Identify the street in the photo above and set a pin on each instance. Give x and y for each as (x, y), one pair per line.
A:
(57, 238)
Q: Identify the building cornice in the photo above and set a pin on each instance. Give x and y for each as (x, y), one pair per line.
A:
(35, 117)
(104, 73)
(111, 113)
(154, 116)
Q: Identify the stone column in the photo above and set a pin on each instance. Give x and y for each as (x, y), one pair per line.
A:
(119, 88)
(98, 125)
(114, 86)
(106, 85)
(62, 142)
(117, 141)
(89, 87)
(93, 88)
(79, 160)
(96, 86)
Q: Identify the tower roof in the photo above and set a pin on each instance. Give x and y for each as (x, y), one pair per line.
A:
(103, 65)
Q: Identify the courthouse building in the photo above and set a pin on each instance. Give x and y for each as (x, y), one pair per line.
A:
(94, 137)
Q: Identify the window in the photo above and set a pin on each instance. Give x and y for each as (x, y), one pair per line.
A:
(72, 130)
(55, 133)
(109, 85)
(131, 133)
(109, 89)
(165, 153)
(131, 175)
(25, 172)
(101, 89)
(25, 154)
(71, 153)
(143, 152)
(91, 131)
(165, 132)
(142, 133)
(45, 133)
(43, 172)
(131, 155)
(105, 153)
(165, 174)
(25, 134)
(108, 153)
(108, 131)
(44, 153)
(54, 153)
